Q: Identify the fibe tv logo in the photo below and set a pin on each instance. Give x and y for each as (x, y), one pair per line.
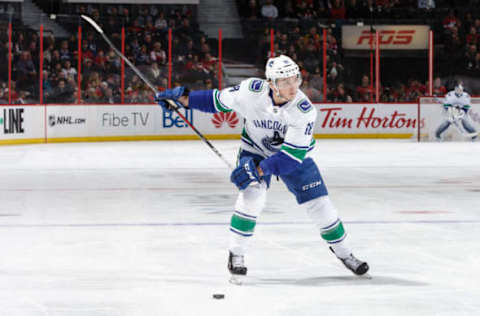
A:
(172, 119)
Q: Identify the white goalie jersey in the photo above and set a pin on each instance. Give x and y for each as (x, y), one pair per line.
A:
(463, 101)
(269, 129)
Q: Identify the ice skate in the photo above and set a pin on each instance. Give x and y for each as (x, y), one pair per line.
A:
(236, 266)
(355, 265)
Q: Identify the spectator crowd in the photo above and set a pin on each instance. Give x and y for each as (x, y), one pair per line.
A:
(298, 32)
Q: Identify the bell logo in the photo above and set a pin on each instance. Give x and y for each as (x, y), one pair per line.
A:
(221, 117)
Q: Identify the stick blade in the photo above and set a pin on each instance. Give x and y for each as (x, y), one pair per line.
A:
(92, 23)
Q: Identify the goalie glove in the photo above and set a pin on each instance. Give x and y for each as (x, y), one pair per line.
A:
(168, 99)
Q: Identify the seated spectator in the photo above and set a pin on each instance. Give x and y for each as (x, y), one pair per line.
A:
(142, 57)
(338, 10)
(340, 94)
(47, 86)
(269, 10)
(68, 70)
(415, 90)
(158, 55)
(26, 70)
(109, 98)
(472, 37)
(22, 97)
(161, 23)
(426, 4)
(62, 93)
(471, 57)
(64, 51)
(154, 74)
(438, 88)
(364, 90)
(311, 92)
(450, 21)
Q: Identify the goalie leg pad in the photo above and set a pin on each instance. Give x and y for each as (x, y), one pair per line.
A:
(249, 205)
(467, 126)
(442, 128)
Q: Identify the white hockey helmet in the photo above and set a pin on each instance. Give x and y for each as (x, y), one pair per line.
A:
(282, 67)
(459, 89)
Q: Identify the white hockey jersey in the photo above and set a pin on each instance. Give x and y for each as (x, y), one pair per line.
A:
(463, 101)
(270, 128)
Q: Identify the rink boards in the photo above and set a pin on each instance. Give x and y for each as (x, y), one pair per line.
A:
(71, 123)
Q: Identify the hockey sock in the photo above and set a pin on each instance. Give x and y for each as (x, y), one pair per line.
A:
(243, 224)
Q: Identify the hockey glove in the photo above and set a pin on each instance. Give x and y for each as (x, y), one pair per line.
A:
(172, 95)
(245, 173)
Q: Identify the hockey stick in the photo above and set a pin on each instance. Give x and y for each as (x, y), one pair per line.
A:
(152, 87)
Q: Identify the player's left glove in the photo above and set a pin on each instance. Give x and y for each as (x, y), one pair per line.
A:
(245, 173)
(173, 95)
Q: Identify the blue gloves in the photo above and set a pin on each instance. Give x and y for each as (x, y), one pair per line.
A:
(245, 173)
(170, 94)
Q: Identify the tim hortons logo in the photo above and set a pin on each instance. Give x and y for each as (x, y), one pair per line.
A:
(225, 117)
(367, 119)
(386, 37)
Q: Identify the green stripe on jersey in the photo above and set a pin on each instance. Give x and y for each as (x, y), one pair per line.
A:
(295, 153)
(218, 105)
(335, 233)
(242, 224)
(245, 135)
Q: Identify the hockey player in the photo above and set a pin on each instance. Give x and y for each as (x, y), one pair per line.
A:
(457, 105)
(276, 139)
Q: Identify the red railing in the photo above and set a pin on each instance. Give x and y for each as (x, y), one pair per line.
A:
(374, 80)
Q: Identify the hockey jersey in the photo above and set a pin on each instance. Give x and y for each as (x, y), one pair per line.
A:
(270, 128)
(281, 133)
(463, 102)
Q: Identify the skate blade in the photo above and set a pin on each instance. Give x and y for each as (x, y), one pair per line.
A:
(366, 276)
(237, 279)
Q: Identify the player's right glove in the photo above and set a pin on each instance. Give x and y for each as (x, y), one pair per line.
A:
(245, 173)
(173, 95)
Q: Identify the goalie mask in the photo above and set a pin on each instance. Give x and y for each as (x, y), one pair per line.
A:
(459, 90)
(282, 67)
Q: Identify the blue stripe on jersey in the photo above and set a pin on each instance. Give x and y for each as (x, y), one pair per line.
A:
(250, 142)
(202, 100)
(239, 233)
(295, 146)
(278, 164)
(245, 215)
(338, 240)
(330, 226)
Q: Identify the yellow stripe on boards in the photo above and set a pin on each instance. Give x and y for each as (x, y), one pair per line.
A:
(20, 141)
(176, 137)
(322, 136)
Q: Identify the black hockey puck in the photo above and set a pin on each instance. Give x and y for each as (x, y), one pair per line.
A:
(218, 296)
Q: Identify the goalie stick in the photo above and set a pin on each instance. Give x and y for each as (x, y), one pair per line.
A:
(152, 87)
(454, 119)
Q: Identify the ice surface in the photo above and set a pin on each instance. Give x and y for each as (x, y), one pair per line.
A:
(141, 228)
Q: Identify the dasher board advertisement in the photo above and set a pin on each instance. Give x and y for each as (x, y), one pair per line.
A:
(358, 119)
(22, 122)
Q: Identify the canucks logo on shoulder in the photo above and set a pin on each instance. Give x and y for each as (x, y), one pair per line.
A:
(304, 106)
(256, 85)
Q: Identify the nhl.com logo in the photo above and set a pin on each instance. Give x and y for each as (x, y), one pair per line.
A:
(64, 120)
(220, 118)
